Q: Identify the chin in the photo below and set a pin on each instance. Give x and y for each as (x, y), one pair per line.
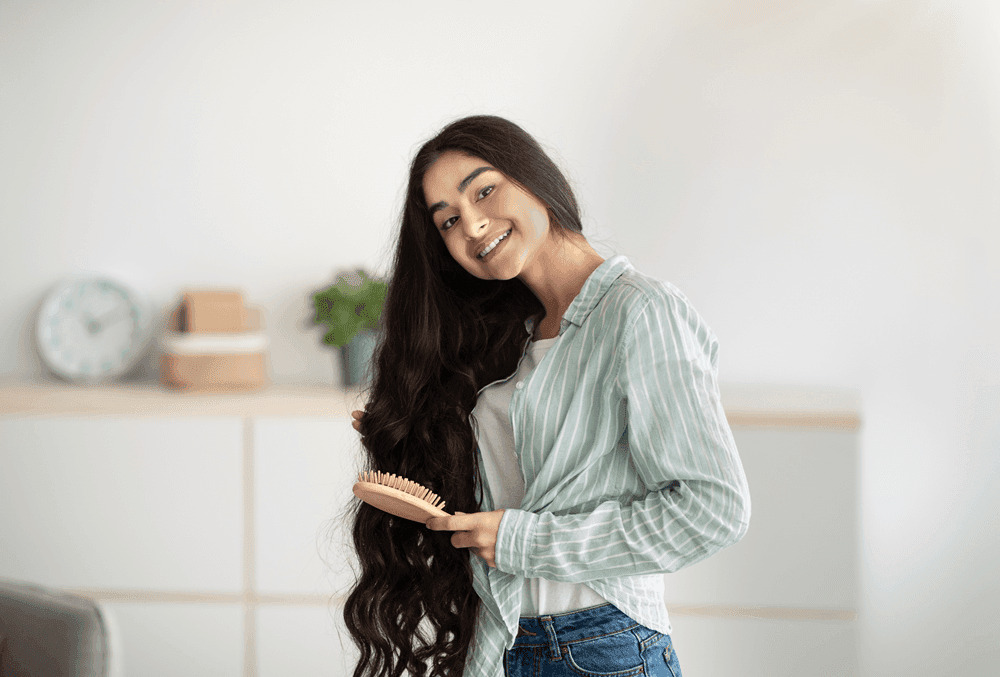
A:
(492, 275)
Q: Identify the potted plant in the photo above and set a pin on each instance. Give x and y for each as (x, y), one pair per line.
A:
(350, 309)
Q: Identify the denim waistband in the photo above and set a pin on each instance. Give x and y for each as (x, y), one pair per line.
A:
(572, 626)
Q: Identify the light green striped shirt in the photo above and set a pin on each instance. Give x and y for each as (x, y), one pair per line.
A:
(630, 468)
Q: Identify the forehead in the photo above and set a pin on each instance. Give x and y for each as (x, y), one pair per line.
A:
(441, 180)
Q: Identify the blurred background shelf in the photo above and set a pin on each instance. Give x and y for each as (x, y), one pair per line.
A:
(747, 406)
(24, 396)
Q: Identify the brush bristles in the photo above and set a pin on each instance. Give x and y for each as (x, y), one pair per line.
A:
(402, 484)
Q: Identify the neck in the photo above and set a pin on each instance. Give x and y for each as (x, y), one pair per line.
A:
(559, 273)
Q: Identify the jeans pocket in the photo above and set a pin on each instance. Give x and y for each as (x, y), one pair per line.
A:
(658, 654)
(614, 655)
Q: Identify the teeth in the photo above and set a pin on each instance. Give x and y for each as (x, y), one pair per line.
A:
(493, 244)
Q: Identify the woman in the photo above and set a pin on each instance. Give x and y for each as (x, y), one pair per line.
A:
(584, 394)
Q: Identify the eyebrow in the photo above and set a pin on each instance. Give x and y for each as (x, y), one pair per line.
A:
(438, 206)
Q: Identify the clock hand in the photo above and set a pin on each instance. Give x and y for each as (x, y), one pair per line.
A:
(96, 324)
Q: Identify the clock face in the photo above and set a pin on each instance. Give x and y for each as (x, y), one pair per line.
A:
(91, 329)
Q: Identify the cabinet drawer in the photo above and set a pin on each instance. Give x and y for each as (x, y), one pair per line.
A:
(122, 503)
(303, 473)
(801, 548)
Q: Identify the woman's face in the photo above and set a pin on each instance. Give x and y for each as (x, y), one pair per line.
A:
(473, 204)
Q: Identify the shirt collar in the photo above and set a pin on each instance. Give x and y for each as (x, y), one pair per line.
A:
(593, 290)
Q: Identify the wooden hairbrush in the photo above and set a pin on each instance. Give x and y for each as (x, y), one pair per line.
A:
(399, 496)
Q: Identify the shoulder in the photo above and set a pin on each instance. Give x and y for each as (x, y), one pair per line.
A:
(641, 295)
(658, 318)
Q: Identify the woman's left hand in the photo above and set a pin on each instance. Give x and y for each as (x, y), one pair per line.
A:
(477, 531)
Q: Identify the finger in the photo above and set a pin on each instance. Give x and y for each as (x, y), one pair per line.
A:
(440, 524)
(468, 539)
(457, 522)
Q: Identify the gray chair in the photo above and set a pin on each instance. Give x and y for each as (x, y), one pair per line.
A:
(46, 632)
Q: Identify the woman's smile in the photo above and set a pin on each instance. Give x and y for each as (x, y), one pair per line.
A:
(492, 247)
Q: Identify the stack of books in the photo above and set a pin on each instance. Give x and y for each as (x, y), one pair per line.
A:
(213, 342)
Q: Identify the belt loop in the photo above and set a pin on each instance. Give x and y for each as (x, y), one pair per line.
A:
(550, 630)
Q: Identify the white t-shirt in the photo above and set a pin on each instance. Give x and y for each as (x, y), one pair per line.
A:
(502, 472)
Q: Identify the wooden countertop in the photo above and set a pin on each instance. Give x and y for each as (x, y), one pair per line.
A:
(746, 405)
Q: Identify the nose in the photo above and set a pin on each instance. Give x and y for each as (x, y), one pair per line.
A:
(475, 220)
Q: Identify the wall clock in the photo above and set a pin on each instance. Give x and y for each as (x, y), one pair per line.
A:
(91, 330)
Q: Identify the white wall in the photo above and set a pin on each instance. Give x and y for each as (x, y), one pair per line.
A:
(821, 179)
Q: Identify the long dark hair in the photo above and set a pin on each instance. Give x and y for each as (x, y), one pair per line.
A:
(444, 335)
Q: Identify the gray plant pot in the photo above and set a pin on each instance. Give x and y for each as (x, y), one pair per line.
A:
(356, 358)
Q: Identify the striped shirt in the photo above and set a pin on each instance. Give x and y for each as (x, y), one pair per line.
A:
(630, 468)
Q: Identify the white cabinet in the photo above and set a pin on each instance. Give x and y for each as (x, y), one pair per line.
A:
(201, 522)
(209, 526)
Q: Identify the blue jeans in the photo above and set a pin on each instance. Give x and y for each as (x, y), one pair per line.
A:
(600, 641)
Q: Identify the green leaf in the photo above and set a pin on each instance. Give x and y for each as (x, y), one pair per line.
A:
(354, 302)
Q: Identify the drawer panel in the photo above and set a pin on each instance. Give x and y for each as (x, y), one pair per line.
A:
(303, 641)
(122, 503)
(303, 473)
(801, 548)
(166, 640)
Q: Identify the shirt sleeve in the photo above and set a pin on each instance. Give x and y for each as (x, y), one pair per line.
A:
(682, 448)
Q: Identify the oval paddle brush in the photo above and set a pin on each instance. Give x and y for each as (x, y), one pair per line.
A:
(398, 496)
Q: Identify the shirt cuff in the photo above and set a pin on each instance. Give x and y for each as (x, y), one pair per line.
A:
(514, 539)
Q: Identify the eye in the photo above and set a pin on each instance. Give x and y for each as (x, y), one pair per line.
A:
(486, 190)
(449, 223)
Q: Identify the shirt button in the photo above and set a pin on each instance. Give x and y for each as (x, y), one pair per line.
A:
(520, 384)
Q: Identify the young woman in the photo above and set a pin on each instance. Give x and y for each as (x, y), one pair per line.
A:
(564, 406)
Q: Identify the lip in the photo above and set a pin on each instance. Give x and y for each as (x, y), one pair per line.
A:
(485, 242)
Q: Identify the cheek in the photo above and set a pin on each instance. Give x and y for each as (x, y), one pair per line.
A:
(454, 250)
(538, 216)
(461, 256)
